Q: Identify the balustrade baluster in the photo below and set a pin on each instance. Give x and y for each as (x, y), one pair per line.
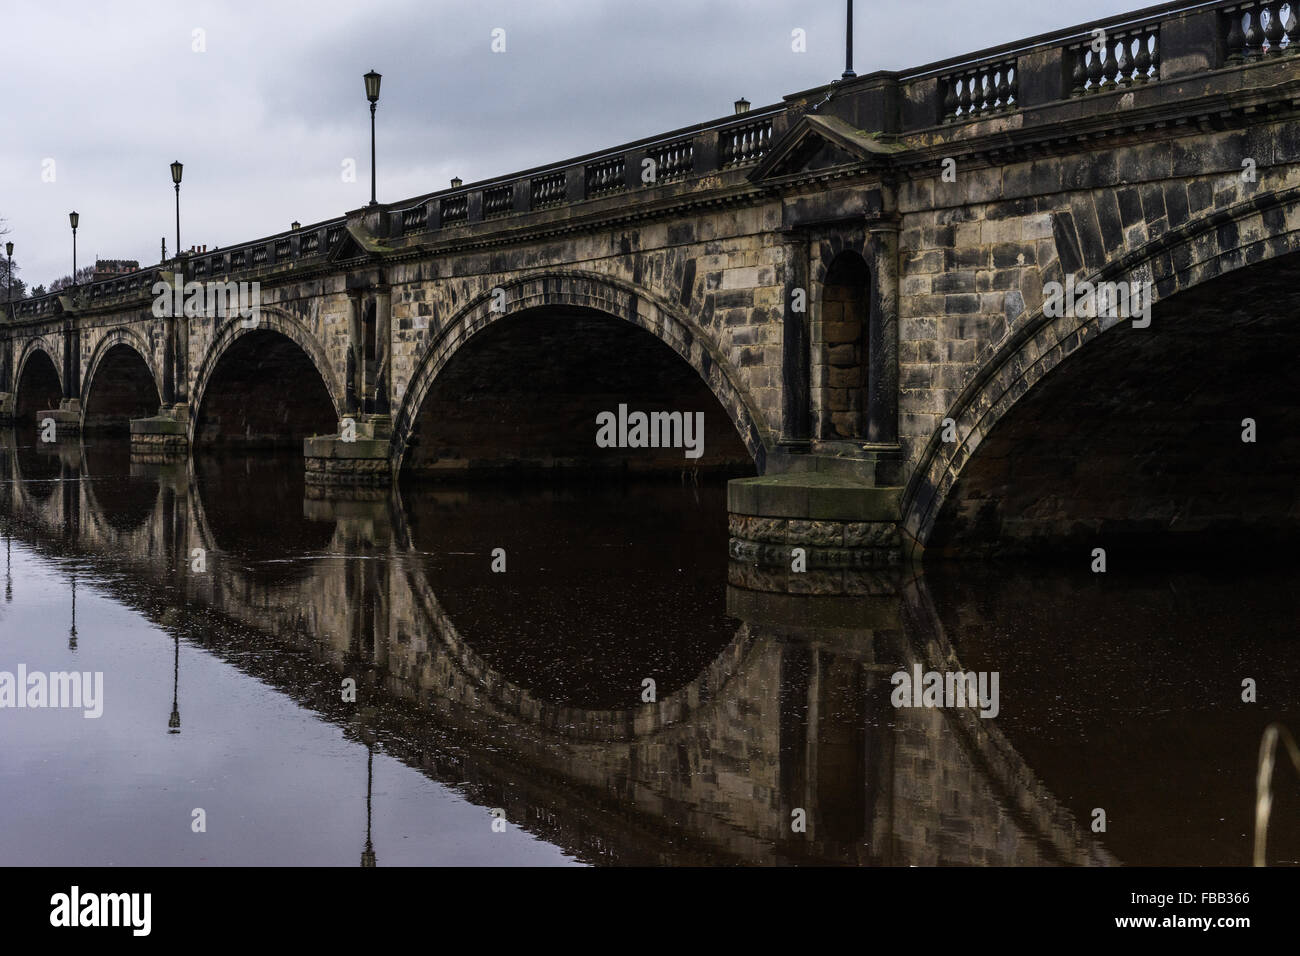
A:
(1079, 75)
(1122, 62)
(1254, 37)
(1109, 69)
(1142, 60)
(1236, 40)
(1094, 72)
(1273, 32)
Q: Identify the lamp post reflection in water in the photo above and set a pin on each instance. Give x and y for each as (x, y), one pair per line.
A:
(174, 722)
(368, 854)
(72, 632)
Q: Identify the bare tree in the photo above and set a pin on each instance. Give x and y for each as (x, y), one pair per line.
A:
(84, 274)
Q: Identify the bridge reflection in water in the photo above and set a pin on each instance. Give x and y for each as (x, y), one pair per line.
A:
(522, 690)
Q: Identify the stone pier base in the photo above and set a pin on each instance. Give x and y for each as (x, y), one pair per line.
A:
(844, 527)
(357, 457)
(66, 418)
(163, 438)
(7, 405)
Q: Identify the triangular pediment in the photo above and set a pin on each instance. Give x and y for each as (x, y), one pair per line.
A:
(346, 248)
(819, 142)
(357, 241)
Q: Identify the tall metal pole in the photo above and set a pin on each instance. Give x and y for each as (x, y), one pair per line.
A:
(372, 94)
(178, 219)
(74, 255)
(848, 46)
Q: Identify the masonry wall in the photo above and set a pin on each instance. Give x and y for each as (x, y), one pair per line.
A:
(977, 253)
(721, 272)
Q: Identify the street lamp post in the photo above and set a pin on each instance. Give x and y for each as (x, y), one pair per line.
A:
(9, 251)
(73, 218)
(176, 178)
(372, 94)
(848, 73)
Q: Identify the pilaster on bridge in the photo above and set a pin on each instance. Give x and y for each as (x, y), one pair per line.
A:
(360, 452)
(165, 437)
(66, 418)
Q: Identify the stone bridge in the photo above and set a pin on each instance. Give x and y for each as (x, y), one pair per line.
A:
(854, 286)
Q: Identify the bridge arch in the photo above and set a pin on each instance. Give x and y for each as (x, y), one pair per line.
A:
(38, 384)
(1253, 234)
(277, 337)
(124, 356)
(590, 292)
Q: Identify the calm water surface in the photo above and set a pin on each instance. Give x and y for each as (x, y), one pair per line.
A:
(521, 692)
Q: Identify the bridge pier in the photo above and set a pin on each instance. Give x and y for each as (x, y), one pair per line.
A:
(66, 418)
(162, 438)
(8, 398)
(357, 456)
(816, 531)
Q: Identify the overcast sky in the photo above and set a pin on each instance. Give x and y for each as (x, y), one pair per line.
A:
(265, 117)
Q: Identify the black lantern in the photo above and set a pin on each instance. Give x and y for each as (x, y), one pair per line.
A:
(73, 218)
(372, 94)
(177, 169)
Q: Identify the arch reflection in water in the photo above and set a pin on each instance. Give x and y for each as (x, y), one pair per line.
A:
(522, 690)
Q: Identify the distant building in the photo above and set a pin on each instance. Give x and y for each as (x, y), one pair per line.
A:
(114, 267)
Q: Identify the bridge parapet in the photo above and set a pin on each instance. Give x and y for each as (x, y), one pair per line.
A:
(1112, 55)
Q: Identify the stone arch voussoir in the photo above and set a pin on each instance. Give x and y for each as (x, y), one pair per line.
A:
(119, 336)
(53, 351)
(600, 293)
(1256, 230)
(272, 320)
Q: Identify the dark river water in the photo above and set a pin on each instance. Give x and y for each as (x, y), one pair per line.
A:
(499, 716)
